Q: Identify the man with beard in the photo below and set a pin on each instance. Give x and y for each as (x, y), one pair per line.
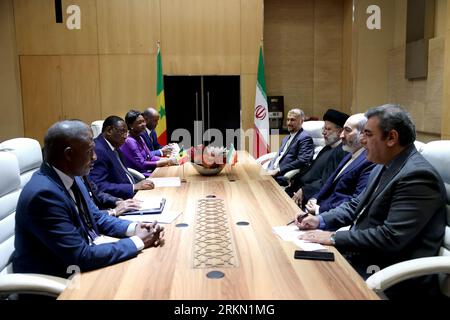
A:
(350, 177)
(296, 151)
(305, 185)
(401, 214)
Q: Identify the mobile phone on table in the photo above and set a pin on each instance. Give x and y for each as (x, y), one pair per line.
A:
(314, 255)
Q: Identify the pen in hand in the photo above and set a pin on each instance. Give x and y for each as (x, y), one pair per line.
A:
(299, 218)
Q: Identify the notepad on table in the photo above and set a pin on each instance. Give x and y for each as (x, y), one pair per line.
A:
(149, 206)
(166, 182)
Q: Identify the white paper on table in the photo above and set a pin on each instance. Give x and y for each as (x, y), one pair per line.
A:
(287, 233)
(167, 216)
(166, 182)
(308, 246)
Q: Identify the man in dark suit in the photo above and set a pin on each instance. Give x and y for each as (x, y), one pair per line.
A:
(151, 117)
(350, 177)
(109, 173)
(57, 225)
(400, 215)
(296, 151)
(307, 184)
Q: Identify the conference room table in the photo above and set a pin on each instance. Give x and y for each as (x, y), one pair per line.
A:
(233, 237)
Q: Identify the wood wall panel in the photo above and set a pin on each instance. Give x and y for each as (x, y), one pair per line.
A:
(289, 52)
(252, 17)
(11, 122)
(445, 127)
(38, 34)
(128, 27)
(347, 53)
(80, 88)
(328, 22)
(248, 91)
(423, 98)
(127, 81)
(41, 94)
(201, 37)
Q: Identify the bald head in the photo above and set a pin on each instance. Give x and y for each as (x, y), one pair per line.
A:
(151, 117)
(68, 145)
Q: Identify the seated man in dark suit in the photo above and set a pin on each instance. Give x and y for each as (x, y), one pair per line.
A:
(350, 177)
(400, 215)
(151, 117)
(57, 225)
(307, 184)
(296, 151)
(109, 173)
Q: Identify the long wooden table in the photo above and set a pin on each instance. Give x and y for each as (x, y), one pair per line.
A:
(265, 269)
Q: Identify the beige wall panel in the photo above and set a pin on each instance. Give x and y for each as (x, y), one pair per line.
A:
(11, 123)
(80, 88)
(41, 94)
(328, 22)
(434, 90)
(200, 36)
(127, 81)
(252, 16)
(445, 123)
(372, 55)
(422, 98)
(347, 56)
(248, 91)
(128, 26)
(400, 22)
(39, 34)
(440, 20)
(289, 51)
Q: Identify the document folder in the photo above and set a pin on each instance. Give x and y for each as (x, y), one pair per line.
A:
(148, 210)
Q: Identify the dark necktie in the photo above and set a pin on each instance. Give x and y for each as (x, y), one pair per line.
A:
(83, 212)
(379, 180)
(119, 158)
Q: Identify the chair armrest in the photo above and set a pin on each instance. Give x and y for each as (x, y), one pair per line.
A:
(401, 271)
(267, 157)
(136, 174)
(291, 174)
(32, 283)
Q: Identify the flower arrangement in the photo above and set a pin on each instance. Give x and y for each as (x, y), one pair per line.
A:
(208, 160)
(209, 157)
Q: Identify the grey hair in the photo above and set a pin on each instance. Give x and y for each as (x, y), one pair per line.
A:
(394, 117)
(298, 113)
(360, 120)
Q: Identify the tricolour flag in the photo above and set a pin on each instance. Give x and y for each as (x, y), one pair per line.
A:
(232, 155)
(261, 113)
(182, 156)
(161, 128)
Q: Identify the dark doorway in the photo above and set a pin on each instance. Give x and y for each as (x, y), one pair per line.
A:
(199, 103)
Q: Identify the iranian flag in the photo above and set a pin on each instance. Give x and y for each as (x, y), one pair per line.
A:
(161, 128)
(261, 113)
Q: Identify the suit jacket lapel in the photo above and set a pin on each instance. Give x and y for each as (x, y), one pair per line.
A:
(356, 162)
(51, 173)
(85, 199)
(372, 191)
(297, 136)
(341, 165)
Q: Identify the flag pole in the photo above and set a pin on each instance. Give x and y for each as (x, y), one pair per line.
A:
(182, 175)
